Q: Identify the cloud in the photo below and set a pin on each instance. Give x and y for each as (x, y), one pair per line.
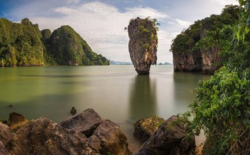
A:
(102, 26)
(183, 23)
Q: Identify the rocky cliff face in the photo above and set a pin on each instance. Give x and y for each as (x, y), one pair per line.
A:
(143, 44)
(198, 47)
(198, 61)
(23, 44)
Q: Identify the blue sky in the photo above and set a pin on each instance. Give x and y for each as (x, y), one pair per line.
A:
(101, 23)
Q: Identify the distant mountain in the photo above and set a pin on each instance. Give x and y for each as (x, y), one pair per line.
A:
(111, 62)
(166, 63)
(23, 44)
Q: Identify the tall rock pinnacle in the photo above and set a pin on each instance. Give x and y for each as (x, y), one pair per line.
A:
(143, 44)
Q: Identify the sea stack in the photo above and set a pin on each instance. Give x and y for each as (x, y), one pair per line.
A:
(143, 44)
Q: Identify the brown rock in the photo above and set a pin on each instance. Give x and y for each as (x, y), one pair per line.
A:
(5, 134)
(111, 138)
(187, 62)
(3, 150)
(104, 136)
(143, 44)
(145, 128)
(169, 139)
(44, 137)
(16, 120)
(86, 122)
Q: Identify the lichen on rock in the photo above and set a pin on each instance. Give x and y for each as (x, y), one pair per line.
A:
(145, 128)
(143, 44)
(169, 139)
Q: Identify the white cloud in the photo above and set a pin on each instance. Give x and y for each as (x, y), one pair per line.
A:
(183, 23)
(102, 26)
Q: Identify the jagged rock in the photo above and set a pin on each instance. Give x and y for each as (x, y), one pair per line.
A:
(104, 136)
(3, 150)
(169, 139)
(44, 137)
(86, 122)
(145, 128)
(108, 138)
(143, 44)
(5, 134)
(16, 120)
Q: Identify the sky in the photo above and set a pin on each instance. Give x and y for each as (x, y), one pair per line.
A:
(101, 22)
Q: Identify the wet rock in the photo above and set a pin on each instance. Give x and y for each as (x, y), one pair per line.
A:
(16, 120)
(86, 122)
(143, 44)
(5, 134)
(145, 128)
(169, 139)
(108, 138)
(3, 150)
(44, 137)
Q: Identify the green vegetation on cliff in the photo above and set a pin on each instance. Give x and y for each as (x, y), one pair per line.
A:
(68, 48)
(205, 33)
(23, 44)
(20, 44)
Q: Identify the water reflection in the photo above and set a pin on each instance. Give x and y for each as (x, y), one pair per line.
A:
(143, 102)
(183, 87)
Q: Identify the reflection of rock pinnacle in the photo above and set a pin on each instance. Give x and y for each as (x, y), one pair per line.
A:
(143, 44)
(143, 102)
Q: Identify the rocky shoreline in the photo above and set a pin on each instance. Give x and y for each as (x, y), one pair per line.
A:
(89, 134)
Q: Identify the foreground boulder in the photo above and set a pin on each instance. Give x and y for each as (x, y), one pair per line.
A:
(169, 139)
(143, 44)
(5, 134)
(16, 120)
(42, 136)
(108, 138)
(145, 128)
(105, 137)
(3, 150)
(86, 122)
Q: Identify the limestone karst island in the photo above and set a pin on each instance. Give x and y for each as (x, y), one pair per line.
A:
(134, 77)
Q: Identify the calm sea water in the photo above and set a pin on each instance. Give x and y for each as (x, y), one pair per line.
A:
(115, 92)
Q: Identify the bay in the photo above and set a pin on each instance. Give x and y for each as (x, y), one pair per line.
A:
(115, 92)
